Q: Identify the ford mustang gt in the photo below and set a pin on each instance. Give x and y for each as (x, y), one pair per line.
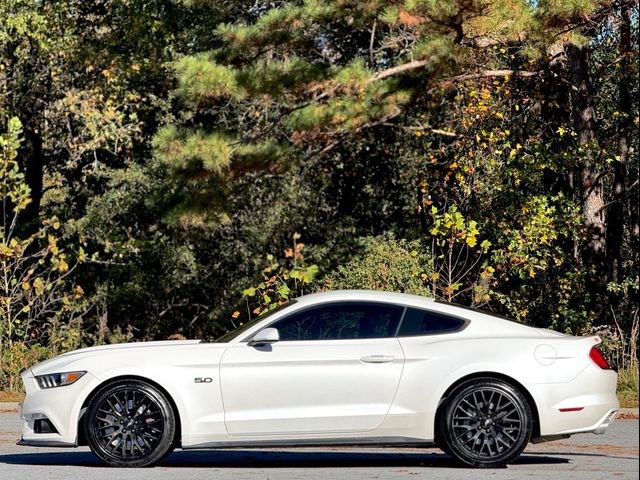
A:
(335, 368)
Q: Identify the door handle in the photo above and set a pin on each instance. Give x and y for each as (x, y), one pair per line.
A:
(377, 358)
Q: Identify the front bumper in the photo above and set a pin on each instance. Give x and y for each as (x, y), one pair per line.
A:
(50, 416)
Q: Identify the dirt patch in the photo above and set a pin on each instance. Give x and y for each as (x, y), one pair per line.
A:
(8, 410)
(627, 416)
(6, 396)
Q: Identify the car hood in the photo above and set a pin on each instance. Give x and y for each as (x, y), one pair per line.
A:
(57, 364)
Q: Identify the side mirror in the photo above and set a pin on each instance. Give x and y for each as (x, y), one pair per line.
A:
(264, 337)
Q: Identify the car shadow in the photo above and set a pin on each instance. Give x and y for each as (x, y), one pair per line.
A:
(270, 459)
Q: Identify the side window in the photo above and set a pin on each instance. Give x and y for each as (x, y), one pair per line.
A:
(422, 322)
(341, 322)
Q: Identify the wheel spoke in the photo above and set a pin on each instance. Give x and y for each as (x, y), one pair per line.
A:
(494, 426)
(128, 424)
(113, 409)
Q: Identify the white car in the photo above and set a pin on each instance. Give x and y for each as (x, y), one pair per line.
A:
(335, 368)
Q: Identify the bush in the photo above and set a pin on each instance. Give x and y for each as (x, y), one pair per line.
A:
(386, 264)
(17, 357)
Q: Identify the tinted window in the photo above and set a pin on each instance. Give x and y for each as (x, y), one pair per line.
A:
(340, 322)
(422, 322)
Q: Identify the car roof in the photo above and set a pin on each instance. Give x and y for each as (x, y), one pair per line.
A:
(368, 295)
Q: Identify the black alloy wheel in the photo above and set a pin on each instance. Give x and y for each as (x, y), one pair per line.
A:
(486, 423)
(130, 424)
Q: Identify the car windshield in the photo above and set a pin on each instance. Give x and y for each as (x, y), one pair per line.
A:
(227, 337)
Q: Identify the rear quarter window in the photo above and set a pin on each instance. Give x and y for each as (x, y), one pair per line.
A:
(423, 322)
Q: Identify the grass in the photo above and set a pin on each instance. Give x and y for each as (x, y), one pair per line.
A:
(628, 387)
(628, 371)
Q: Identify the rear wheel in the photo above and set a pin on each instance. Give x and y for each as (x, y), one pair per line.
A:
(130, 424)
(485, 423)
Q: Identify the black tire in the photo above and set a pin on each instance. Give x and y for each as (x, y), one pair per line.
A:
(130, 423)
(486, 423)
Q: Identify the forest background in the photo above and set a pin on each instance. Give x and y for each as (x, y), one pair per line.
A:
(173, 168)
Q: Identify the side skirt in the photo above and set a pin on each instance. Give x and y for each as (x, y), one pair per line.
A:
(325, 442)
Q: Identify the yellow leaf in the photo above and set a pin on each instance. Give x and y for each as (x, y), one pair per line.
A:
(25, 286)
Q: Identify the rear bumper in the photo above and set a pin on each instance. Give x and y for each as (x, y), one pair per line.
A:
(607, 420)
(587, 404)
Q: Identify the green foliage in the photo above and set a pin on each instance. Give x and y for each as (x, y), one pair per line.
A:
(431, 147)
(201, 80)
(14, 191)
(452, 227)
(283, 279)
(16, 358)
(35, 295)
(191, 152)
(457, 256)
(386, 264)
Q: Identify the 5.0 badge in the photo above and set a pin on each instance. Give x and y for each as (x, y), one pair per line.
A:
(203, 379)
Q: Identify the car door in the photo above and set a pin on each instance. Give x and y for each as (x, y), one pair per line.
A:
(336, 368)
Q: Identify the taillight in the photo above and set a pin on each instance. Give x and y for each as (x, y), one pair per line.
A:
(596, 355)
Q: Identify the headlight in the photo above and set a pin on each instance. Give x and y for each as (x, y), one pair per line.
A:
(58, 379)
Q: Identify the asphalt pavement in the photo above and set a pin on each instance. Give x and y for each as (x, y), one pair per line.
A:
(582, 457)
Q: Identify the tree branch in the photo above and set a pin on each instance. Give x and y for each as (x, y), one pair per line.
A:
(398, 69)
(493, 74)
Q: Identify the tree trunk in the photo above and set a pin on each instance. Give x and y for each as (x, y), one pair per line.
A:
(556, 112)
(34, 172)
(591, 176)
(616, 213)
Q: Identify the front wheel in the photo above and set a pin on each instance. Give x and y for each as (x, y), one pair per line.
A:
(130, 424)
(485, 423)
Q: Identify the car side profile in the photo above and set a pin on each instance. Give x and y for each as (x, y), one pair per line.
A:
(333, 368)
